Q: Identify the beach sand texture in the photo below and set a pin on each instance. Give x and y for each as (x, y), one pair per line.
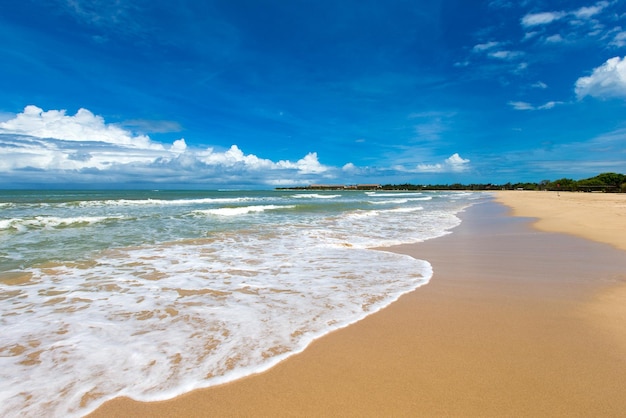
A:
(515, 322)
(597, 216)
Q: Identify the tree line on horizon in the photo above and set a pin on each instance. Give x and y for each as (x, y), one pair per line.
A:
(605, 182)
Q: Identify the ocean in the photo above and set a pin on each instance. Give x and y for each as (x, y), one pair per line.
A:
(151, 294)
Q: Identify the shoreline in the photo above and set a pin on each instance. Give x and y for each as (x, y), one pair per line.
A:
(504, 329)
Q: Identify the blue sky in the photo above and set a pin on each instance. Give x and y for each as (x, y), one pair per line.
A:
(261, 94)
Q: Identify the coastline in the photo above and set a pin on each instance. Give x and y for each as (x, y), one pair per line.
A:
(507, 326)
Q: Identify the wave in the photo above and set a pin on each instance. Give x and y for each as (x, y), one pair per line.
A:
(399, 201)
(224, 309)
(392, 194)
(406, 210)
(315, 196)
(156, 202)
(242, 210)
(368, 213)
(51, 222)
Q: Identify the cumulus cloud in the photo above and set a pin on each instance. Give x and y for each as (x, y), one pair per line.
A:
(307, 165)
(606, 81)
(179, 146)
(83, 145)
(454, 164)
(53, 147)
(83, 126)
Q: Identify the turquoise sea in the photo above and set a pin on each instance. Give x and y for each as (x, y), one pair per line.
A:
(151, 294)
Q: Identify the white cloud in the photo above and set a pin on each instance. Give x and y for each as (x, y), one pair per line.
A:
(179, 146)
(492, 50)
(606, 81)
(555, 39)
(454, 163)
(588, 12)
(530, 35)
(485, 46)
(521, 106)
(549, 105)
(544, 18)
(528, 106)
(506, 55)
(307, 165)
(37, 141)
(83, 126)
(430, 168)
(540, 85)
(582, 17)
(45, 147)
(619, 40)
(233, 158)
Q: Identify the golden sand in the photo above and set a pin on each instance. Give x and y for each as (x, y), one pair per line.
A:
(514, 323)
(597, 216)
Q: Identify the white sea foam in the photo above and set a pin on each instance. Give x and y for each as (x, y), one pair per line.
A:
(241, 210)
(155, 322)
(49, 222)
(392, 194)
(399, 201)
(406, 210)
(156, 202)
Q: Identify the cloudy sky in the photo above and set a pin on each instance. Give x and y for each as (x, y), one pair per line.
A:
(265, 93)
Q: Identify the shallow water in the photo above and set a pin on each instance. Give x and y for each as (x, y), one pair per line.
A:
(152, 294)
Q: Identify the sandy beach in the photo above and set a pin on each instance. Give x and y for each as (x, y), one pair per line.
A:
(596, 216)
(515, 322)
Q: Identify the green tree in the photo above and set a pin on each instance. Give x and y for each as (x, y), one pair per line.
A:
(612, 179)
(563, 184)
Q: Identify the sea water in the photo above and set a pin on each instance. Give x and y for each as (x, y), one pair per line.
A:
(151, 294)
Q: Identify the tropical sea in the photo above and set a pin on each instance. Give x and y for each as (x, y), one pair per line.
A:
(151, 294)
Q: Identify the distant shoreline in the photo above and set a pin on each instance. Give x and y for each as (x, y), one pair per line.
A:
(605, 182)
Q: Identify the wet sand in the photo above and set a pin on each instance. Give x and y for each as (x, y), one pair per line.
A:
(515, 322)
